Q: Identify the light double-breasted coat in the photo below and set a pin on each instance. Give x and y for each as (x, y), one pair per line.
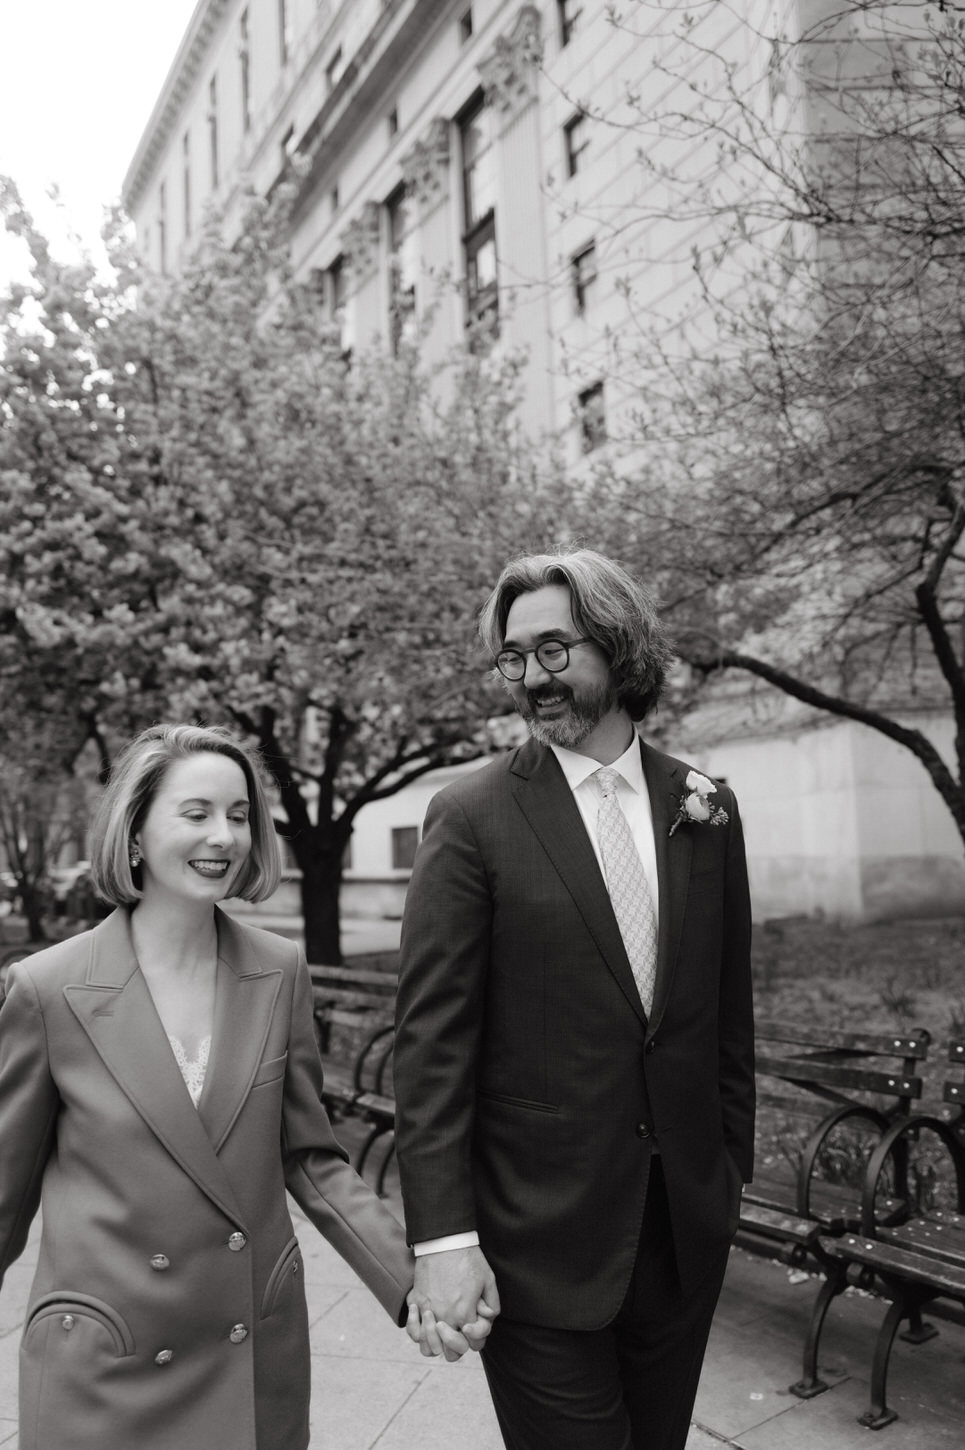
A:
(168, 1310)
(531, 1086)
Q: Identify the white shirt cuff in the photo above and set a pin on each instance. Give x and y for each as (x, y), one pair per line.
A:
(468, 1240)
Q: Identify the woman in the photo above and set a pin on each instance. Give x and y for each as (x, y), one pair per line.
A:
(159, 1091)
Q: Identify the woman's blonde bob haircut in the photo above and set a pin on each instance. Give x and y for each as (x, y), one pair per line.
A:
(135, 778)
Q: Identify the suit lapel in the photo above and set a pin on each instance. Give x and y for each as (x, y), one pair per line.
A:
(244, 1003)
(665, 784)
(546, 800)
(115, 1009)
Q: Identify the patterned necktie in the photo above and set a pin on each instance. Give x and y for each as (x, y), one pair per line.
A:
(628, 886)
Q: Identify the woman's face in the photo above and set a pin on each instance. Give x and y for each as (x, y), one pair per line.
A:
(195, 838)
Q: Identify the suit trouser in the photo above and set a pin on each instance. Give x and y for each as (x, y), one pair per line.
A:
(628, 1386)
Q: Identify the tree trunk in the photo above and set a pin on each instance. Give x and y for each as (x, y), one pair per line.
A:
(321, 884)
(32, 902)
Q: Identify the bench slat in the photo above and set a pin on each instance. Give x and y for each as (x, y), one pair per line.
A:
(805, 1070)
(919, 1268)
(884, 1044)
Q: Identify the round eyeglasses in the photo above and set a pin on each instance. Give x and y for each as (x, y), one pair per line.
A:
(552, 654)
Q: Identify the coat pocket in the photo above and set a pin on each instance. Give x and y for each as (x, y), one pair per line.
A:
(81, 1315)
(525, 1103)
(271, 1071)
(285, 1274)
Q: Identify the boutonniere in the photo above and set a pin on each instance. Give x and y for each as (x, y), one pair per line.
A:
(695, 803)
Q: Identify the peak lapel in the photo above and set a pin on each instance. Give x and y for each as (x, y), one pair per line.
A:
(547, 802)
(115, 1008)
(665, 783)
(244, 1003)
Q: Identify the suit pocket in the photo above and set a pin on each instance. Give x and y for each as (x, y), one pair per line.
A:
(283, 1277)
(270, 1071)
(525, 1103)
(77, 1316)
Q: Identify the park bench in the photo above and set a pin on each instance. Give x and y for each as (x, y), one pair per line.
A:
(354, 1010)
(826, 1100)
(918, 1257)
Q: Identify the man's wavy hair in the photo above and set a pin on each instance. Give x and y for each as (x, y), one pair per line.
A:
(609, 606)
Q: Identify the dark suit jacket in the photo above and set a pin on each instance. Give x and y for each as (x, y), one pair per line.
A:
(166, 1226)
(529, 1084)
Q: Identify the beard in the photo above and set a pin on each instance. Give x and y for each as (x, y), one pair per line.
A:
(581, 713)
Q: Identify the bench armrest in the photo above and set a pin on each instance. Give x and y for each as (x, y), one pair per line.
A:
(817, 1141)
(876, 1164)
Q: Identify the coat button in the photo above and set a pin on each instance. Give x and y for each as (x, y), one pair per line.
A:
(236, 1242)
(644, 1130)
(238, 1334)
(67, 1323)
(160, 1262)
(164, 1356)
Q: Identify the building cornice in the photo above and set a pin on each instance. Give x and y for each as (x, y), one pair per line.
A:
(180, 78)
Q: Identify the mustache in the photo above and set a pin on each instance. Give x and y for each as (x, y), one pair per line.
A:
(548, 692)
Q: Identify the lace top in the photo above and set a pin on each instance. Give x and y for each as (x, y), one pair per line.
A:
(192, 1069)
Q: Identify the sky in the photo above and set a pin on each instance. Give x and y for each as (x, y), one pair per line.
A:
(79, 81)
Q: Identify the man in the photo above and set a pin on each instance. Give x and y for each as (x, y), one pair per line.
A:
(574, 1053)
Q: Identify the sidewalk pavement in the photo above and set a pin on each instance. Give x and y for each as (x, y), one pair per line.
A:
(372, 1390)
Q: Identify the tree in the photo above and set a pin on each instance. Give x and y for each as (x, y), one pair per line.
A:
(249, 529)
(802, 498)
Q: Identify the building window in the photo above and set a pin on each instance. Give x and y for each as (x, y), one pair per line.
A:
(592, 415)
(334, 198)
(583, 275)
(393, 121)
(288, 147)
(576, 138)
(333, 71)
(405, 839)
(568, 12)
(338, 305)
(401, 268)
(213, 130)
(244, 60)
(479, 219)
(465, 26)
(186, 174)
(284, 31)
(162, 228)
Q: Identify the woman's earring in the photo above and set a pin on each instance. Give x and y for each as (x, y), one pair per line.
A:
(134, 854)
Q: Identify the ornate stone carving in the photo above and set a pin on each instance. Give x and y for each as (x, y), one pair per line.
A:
(508, 72)
(425, 167)
(360, 240)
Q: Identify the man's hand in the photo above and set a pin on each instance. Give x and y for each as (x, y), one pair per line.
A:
(453, 1302)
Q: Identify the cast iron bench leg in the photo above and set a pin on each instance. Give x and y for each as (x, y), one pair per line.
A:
(810, 1385)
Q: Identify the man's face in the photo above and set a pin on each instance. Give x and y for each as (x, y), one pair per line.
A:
(565, 708)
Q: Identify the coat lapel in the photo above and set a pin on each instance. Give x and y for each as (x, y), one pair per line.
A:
(547, 802)
(244, 1004)
(665, 784)
(115, 1008)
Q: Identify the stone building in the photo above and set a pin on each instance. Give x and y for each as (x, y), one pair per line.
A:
(477, 166)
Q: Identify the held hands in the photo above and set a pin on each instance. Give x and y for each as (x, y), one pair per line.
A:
(453, 1302)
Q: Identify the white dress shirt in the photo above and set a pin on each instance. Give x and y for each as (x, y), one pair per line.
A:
(635, 801)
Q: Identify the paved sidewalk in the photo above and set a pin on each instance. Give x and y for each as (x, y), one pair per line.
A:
(372, 1390)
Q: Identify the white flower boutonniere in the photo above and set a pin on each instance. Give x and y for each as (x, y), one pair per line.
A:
(695, 806)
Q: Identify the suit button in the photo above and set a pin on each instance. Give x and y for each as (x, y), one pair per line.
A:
(67, 1323)
(644, 1130)
(238, 1334)
(164, 1356)
(651, 1044)
(160, 1262)
(236, 1242)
